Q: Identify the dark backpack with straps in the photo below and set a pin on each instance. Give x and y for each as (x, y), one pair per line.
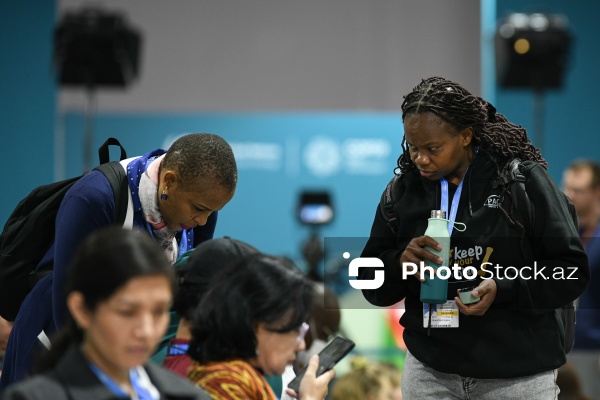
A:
(29, 231)
(513, 175)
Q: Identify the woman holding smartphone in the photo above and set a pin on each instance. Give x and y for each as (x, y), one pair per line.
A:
(251, 324)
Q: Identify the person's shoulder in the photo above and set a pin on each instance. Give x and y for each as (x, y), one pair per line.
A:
(530, 166)
(401, 180)
(238, 365)
(236, 371)
(37, 387)
(233, 379)
(410, 175)
(172, 385)
(535, 173)
(532, 171)
(231, 367)
(92, 184)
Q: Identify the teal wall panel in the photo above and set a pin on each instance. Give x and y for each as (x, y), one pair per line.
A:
(27, 98)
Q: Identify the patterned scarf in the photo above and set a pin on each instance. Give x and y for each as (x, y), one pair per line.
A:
(231, 380)
(148, 193)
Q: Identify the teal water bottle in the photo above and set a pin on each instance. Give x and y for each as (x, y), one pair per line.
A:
(434, 291)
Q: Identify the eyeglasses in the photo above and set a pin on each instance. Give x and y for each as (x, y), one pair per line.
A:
(301, 333)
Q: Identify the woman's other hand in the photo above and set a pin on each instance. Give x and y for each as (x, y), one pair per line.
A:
(486, 290)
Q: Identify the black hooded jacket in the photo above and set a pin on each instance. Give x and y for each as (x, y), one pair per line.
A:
(519, 335)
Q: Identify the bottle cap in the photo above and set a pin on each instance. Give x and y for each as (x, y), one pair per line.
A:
(438, 214)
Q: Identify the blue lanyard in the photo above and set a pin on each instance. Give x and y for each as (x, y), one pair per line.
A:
(108, 382)
(178, 349)
(134, 377)
(143, 393)
(455, 201)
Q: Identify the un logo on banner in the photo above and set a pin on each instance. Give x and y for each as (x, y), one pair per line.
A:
(366, 262)
(322, 157)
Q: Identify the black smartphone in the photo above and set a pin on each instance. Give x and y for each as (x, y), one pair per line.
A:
(337, 349)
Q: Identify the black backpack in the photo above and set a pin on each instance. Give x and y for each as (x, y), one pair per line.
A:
(514, 175)
(29, 231)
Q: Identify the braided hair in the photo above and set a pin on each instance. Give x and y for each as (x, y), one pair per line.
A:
(493, 134)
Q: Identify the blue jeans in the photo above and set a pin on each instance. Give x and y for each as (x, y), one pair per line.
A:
(421, 382)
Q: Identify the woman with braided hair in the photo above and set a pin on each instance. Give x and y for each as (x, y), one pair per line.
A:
(507, 344)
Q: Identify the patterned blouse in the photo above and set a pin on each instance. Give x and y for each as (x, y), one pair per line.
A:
(231, 380)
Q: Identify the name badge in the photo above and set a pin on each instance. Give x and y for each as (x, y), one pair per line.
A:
(442, 315)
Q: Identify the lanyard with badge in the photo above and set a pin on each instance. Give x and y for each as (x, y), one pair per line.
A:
(140, 383)
(445, 315)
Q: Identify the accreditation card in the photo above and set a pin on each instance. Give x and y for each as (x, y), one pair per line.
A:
(443, 315)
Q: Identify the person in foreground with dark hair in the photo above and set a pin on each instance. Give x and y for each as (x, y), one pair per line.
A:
(509, 344)
(250, 325)
(174, 197)
(196, 276)
(119, 289)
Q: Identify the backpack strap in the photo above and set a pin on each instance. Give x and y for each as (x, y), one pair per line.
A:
(511, 173)
(520, 199)
(117, 177)
(104, 154)
(386, 204)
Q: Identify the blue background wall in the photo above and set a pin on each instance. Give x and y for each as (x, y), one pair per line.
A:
(351, 155)
(263, 209)
(27, 99)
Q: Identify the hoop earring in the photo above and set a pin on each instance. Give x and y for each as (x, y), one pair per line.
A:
(164, 195)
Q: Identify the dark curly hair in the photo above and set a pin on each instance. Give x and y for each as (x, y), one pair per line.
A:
(258, 288)
(493, 134)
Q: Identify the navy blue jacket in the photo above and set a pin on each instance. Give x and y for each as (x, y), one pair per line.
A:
(88, 206)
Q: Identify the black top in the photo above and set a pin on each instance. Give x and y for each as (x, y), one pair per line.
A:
(519, 334)
(72, 379)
